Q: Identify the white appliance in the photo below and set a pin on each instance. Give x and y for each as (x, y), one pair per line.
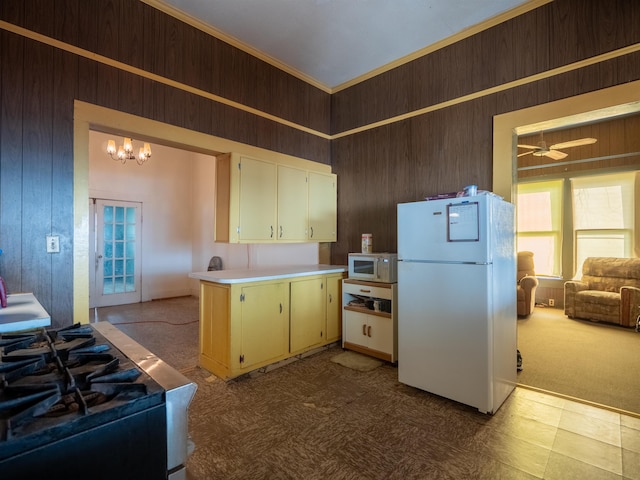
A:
(457, 299)
(374, 267)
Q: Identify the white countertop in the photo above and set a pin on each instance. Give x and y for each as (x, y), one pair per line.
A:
(266, 273)
(23, 312)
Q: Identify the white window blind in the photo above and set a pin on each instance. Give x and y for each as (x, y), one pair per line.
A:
(539, 216)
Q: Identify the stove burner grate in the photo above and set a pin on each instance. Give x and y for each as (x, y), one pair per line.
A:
(63, 373)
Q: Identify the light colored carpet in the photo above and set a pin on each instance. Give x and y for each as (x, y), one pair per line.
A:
(356, 361)
(591, 361)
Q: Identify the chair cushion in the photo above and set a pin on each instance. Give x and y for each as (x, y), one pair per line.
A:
(598, 297)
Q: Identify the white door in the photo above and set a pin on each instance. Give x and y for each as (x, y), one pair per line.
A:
(115, 257)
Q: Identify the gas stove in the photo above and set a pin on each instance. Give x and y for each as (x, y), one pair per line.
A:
(72, 394)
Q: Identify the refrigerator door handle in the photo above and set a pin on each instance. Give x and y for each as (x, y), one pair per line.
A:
(444, 262)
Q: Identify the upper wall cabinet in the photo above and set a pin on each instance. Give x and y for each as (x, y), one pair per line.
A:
(323, 205)
(293, 215)
(261, 201)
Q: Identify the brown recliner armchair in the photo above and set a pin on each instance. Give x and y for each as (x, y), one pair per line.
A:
(527, 284)
(609, 291)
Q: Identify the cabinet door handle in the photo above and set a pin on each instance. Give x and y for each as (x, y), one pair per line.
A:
(271, 227)
(330, 298)
(364, 329)
(311, 232)
(365, 291)
(280, 308)
(280, 231)
(369, 331)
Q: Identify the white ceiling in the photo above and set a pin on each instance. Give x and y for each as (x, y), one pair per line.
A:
(333, 42)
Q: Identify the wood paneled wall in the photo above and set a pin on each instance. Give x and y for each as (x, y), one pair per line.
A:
(39, 83)
(450, 146)
(442, 150)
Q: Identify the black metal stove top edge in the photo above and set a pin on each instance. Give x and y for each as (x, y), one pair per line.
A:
(83, 368)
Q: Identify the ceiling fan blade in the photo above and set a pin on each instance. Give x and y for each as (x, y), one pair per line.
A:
(555, 154)
(525, 153)
(574, 143)
(527, 146)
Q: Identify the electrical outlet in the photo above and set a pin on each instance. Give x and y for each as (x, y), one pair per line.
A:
(53, 244)
(552, 302)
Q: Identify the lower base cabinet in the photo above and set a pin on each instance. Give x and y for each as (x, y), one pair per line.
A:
(308, 313)
(242, 327)
(246, 326)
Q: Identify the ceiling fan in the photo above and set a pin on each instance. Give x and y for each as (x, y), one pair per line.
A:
(553, 151)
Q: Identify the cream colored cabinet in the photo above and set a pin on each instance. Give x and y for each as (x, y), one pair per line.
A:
(243, 326)
(264, 320)
(246, 199)
(307, 313)
(292, 204)
(258, 194)
(260, 201)
(365, 329)
(323, 205)
(334, 307)
(215, 328)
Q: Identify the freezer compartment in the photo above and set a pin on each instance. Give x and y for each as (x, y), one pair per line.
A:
(453, 230)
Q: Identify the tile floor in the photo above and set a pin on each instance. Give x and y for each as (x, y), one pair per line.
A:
(316, 419)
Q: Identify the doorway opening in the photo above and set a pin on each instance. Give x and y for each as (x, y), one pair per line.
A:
(581, 109)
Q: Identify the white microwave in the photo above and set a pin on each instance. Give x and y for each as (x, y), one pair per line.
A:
(374, 267)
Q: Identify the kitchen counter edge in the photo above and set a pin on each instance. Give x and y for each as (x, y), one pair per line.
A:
(245, 275)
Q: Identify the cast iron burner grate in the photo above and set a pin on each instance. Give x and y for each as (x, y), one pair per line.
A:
(54, 374)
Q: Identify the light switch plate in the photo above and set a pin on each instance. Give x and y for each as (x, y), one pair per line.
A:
(53, 244)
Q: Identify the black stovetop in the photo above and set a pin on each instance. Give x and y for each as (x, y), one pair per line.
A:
(56, 383)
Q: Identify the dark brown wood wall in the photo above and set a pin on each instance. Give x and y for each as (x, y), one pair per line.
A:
(444, 150)
(38, 86)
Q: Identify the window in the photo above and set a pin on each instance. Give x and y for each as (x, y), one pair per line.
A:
(599, 221)
(602, 216)
(540, 224)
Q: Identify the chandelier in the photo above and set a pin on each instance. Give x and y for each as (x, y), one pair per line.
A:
(125, 151)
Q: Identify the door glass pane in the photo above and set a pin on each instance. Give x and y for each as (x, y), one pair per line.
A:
(131, 215)
(107, 286)
(108, 215)
(131, 231)
(130, 285)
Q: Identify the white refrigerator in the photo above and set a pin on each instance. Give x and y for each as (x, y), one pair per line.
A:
(457, 315)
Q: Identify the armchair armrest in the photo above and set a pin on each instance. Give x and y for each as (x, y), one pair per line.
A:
(629, 306)
(529, 283)
(570, 289)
